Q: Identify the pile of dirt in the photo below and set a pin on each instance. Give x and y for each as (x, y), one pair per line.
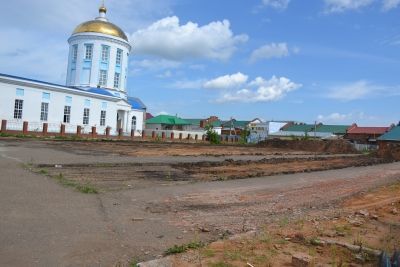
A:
(389, 151)
(326, 146)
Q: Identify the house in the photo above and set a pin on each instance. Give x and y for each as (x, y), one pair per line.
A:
(276, 126)
(320, 130)
(167, 122)
(331, 131)
(258, 131)
(365, 135)
(392, 136)
(233, 127)
(293, 130)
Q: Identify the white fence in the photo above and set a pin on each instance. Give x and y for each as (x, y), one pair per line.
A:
(185, 134)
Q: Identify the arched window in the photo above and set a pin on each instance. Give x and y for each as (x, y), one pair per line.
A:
(134, 123)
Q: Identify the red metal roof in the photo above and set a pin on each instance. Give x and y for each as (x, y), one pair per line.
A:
(367, 130)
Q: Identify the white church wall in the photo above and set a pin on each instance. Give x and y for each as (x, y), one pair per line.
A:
(33, 97)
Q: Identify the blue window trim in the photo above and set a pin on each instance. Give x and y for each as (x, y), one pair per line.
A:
(20, 92)
(46, 96)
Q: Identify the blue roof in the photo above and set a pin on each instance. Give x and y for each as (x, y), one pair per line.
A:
(392, 135)
(136, 103)
(93, 90)
(30, 80)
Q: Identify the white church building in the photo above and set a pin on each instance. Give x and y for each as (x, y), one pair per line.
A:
(95, 94)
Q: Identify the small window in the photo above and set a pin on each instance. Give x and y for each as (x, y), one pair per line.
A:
(103, 118)
(67, 114)
(134, 123)
(45, 96)
(74, 53)
(119, 57)
(105, 53)
(87, 103)
(68, 100)
(103, 78)
(44, 111)
(116, 80)
(88, 51)
(86, 113)
(104, 105)
(20, 92)
(18, 106)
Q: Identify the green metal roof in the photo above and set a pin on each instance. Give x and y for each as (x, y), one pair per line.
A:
(235, 123)
(194, 122)
(300, 128)
(336, 129)
(167, 120)
(392, 135)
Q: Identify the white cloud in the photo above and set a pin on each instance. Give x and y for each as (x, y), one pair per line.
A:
(352, 117)
(187, 84)
(268, 51)
(168, 39)
(264, 91)
(390, 4)
(337, 6)
(352, 91)
(277, 4)
(360, 90)
(227, 81)
(333, 117)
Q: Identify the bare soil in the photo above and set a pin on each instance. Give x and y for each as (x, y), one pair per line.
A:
(369, 220)
(109, 177)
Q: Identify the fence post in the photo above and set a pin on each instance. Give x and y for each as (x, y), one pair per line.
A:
(203, 137)
(3, 126)
(94, 134)
(163, 135)
(180, 136)
(143, 134)
(132, 133)
(120, 133)
(189, 136)
(62, 130)
(78, 131)
(108, 132)
(172, 135)
(196, 137)
(153, 135)
(25, 128)
(45, 128)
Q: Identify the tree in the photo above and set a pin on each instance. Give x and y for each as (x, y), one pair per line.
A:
(212, 136)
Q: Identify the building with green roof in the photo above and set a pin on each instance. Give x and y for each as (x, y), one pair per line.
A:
(168, 122)
(333, 129)
(392, 136)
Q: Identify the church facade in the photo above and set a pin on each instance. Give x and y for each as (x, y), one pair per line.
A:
(95, 93)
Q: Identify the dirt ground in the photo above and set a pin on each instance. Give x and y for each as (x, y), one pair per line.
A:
(116, 203)
(327, 237)
(109, 177)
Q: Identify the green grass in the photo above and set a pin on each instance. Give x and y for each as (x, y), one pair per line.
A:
(183, 248)
(86, 189)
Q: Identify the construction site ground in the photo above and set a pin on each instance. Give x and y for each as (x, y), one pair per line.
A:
(70, 203)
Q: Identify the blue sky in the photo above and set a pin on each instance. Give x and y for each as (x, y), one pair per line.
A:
(334, 61)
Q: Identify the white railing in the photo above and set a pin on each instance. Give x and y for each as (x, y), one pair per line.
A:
(185, 134)
(15, 125)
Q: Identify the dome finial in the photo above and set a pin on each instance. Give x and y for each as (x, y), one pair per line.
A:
(102, 9)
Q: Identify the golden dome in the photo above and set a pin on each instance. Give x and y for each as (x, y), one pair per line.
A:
(100, 26)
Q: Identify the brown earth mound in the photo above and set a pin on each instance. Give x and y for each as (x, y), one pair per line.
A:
(327, 146)
(389, 151)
